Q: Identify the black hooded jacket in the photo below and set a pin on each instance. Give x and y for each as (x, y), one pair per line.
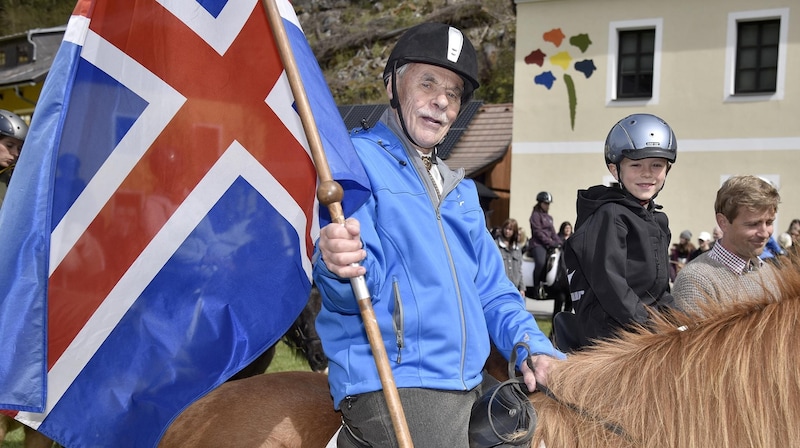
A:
(617, 260)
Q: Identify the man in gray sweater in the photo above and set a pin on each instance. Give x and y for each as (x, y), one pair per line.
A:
(745, 211)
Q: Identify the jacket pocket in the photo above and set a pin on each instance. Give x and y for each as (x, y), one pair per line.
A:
(397, 319)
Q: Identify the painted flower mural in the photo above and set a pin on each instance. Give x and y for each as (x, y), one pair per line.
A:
(562, 59)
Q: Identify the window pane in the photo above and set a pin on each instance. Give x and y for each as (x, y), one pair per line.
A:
(767, 82)
(771, 33)
(745, 81)
(769, 59)
(748, 58)
(748, 34)
(627, 64)
(648, 41)
(757, 56)
(635, 63)
(646, 85)
(646, 64)
(627, 43)
(627, 86)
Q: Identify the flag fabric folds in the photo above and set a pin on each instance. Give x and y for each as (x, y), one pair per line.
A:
(159, 226)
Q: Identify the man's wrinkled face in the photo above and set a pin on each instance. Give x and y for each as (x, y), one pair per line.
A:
(430, 99)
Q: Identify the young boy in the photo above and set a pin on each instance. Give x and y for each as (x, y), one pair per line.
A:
(618, 257)
(13, 130)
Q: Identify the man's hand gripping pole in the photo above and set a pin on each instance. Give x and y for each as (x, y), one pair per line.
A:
(330, 194)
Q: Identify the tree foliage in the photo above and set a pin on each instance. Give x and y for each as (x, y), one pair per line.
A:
(18, 16)
(352, 39)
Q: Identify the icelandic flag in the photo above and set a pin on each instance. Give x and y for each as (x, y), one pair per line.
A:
(158, 228)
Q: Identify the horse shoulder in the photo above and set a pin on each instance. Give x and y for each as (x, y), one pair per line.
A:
(281, 410)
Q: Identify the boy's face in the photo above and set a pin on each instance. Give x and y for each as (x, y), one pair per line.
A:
(643, 178)
(9, 150)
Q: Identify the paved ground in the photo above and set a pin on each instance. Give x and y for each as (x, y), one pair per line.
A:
(539, 308)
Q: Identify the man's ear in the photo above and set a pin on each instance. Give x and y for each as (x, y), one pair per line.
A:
(389, 88)
(722, 222)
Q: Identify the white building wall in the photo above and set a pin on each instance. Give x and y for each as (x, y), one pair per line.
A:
(718, 135)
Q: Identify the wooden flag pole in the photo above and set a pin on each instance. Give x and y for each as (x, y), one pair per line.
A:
(330, 194)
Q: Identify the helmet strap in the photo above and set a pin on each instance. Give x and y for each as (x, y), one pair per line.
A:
(394, 102)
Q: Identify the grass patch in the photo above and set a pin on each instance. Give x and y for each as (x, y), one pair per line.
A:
(287, 359)
(14, 439)
(545, 324)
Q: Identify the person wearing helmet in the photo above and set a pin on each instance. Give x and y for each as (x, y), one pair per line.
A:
(544, 238)
(618, 257)
(13, 131)
(436, 278)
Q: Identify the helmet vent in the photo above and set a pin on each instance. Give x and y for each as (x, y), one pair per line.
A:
(454, 45)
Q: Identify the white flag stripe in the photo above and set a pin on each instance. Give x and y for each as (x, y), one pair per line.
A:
(281, 101)
(219, 32)
(286, 11)
(234, 163)
(77, 28)
(163, 103)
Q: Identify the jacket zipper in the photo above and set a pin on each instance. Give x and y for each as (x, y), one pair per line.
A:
(398, 320)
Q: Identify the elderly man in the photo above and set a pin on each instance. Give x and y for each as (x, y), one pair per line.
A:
(436, 277)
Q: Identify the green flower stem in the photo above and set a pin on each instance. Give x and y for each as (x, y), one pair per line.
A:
(573, 100)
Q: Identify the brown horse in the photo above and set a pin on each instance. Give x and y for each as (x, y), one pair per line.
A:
(274, 410)
(727, 380)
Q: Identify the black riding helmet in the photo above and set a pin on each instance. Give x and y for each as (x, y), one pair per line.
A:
(544, 196)
(436, 44)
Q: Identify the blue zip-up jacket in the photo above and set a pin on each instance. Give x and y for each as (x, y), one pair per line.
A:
(435, 275)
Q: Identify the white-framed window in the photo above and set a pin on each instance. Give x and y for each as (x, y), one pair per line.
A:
(755, 55)
(634, 62)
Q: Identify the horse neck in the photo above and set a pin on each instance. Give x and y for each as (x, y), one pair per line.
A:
(728, 380)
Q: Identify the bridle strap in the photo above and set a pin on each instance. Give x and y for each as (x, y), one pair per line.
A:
(610, 426)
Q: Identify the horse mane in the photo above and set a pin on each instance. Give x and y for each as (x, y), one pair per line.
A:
(726, 380)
